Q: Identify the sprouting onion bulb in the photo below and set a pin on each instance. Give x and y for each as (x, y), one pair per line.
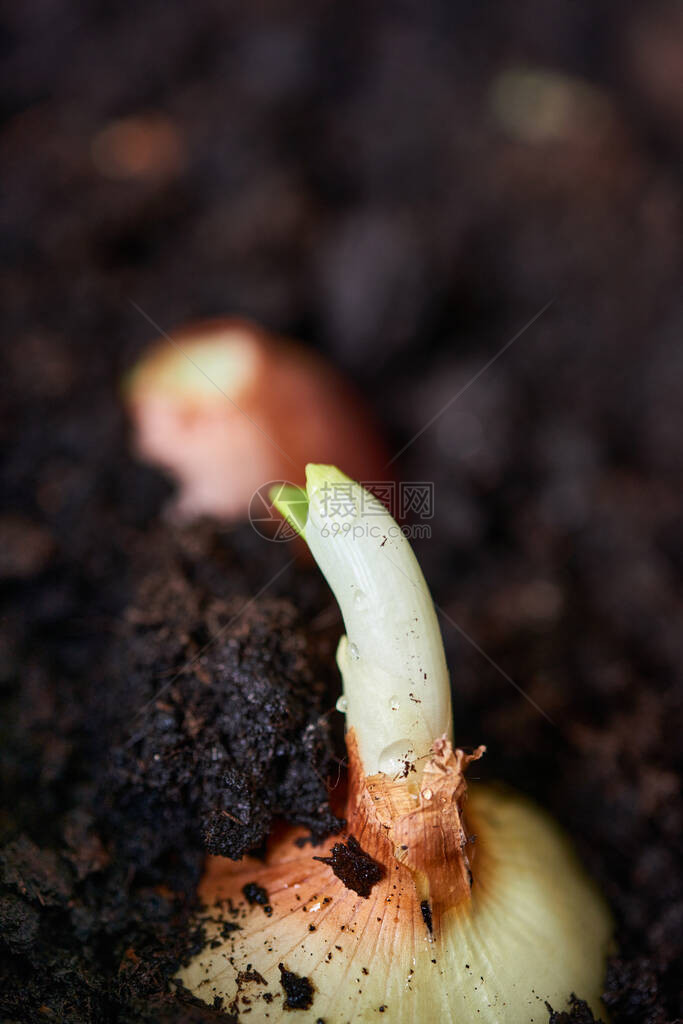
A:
(473, 907)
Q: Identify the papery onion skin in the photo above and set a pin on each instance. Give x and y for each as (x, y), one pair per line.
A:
(532, 928)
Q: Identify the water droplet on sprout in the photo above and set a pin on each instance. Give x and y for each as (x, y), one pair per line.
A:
(392, 760)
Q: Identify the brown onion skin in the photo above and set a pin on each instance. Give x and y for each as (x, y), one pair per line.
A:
(367, 804)
(474, 892)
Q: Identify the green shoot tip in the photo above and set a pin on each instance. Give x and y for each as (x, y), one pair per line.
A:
(292, 504)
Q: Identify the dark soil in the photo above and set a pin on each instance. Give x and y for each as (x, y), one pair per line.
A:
(579, 1013)
(344, 174)
(426, 910)
(188, 759)
(254, 893)
(298, 990)
(354, 867)
(206, 719)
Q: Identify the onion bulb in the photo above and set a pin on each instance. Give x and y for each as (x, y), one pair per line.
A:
(441, 901)
(213, 406)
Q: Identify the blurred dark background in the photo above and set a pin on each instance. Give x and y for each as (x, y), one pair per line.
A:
(403, 186)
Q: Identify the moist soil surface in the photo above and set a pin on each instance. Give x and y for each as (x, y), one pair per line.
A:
(359, 178)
